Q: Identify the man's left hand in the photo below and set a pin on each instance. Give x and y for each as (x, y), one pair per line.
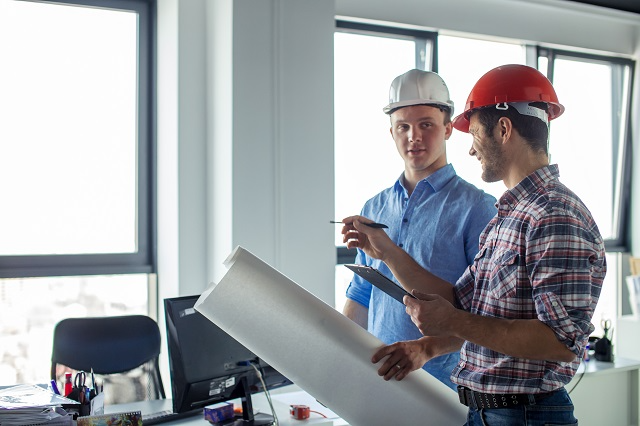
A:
(432, 314)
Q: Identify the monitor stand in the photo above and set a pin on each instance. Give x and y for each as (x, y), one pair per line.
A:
(248, 418)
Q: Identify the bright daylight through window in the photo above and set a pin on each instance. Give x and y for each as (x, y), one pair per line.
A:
(69, 130)
(74, 145)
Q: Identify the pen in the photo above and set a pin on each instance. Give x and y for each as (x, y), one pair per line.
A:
(54, 387)
(371, 225)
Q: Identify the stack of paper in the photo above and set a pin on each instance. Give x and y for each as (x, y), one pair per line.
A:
(33, 405)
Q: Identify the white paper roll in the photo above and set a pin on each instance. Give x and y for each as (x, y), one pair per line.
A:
(319, 349)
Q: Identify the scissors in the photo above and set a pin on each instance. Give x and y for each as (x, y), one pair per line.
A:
(606, 326)
(80, 384)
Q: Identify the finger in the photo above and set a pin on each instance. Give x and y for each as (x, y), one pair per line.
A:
(351, 234)
(352, 237)
(402, 373)
(394, 370)
(382, 353)
(387, 370)
(359, 225)
(353, 243)
(388, 367)
(350, 219)
(424, 296)
(410, 304)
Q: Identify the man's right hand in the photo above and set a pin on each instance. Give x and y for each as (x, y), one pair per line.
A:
(374, 242)
(402, 358)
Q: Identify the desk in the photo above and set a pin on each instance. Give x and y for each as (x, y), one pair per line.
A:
(607, 393)
(282, 398)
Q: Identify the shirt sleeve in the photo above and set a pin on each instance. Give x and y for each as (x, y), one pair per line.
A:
(359, 290)
(567, 265)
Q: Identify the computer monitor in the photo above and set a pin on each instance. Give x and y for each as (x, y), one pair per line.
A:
(208, 366)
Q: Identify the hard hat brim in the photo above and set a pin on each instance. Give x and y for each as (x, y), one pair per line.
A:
(461, 123)
(396, 105)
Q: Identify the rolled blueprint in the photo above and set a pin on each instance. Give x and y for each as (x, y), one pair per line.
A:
(319, 349)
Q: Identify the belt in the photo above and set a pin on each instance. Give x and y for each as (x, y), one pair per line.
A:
(478, 400)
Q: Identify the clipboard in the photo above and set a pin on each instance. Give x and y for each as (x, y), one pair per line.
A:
(379, 280)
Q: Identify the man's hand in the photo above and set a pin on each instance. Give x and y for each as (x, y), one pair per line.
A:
(374, 242)
(432, 314)
(402, 358)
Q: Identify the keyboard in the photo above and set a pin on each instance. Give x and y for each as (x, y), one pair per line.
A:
(165, 416)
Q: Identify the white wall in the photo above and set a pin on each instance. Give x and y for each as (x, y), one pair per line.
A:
(245, 133)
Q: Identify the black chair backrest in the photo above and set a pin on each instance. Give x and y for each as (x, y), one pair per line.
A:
(108, 345)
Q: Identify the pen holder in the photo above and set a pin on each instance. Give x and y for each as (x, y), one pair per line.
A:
(83, 396)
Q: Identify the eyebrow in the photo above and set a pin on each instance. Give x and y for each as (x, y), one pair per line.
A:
(419, 120)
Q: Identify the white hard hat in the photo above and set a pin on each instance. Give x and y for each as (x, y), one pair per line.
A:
(417, 87)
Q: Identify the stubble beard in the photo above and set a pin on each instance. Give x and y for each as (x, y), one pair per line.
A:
(493, 161)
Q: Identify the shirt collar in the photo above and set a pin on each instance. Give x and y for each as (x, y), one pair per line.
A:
(528, 185)
(437, 180)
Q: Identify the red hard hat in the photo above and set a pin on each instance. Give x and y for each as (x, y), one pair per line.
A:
(509, 84)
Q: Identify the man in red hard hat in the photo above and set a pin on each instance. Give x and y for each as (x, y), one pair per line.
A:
(521, 313)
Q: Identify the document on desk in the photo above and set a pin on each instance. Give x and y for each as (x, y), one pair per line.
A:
(319, 349)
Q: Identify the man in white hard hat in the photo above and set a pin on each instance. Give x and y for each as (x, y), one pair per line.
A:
(432, 213)
(521, 314)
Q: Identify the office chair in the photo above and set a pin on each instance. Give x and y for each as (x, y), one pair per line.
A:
(123, 352)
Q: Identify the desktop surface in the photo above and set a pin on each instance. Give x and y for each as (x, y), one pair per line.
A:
(282, 399)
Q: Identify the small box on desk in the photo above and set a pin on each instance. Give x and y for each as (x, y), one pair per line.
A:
(218, 412)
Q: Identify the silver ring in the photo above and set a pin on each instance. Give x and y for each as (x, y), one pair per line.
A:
(398, 367)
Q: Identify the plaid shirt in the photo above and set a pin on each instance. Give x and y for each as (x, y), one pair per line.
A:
(542, 257)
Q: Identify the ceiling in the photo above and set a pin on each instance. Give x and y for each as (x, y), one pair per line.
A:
(625, 5)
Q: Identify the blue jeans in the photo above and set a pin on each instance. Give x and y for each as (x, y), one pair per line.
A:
(557, 409)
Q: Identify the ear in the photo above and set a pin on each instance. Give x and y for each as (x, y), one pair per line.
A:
(504, 129)
(448, 130)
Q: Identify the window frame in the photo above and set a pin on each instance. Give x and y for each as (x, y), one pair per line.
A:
(621, 138)
(144, 259)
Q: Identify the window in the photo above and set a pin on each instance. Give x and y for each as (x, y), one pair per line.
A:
(75, 139)
(76, 146)
(591, 140)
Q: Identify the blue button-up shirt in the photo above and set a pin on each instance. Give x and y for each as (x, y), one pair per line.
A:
(439, 226)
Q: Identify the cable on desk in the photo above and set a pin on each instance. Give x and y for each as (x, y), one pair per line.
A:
(266, 392)
(582, 361)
